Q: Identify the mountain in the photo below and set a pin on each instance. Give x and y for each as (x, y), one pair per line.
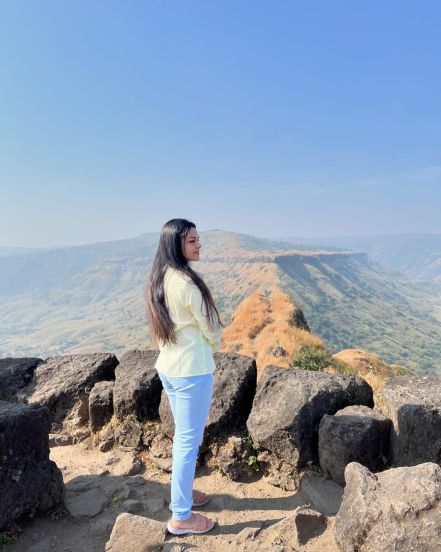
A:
(91, 298)
(416, 255)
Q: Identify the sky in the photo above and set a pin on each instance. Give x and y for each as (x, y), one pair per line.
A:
(275, 118)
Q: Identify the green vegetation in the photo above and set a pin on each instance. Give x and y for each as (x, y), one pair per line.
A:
(312, 358)
(351, 302)
(90, 299)
(253, 463)
(6, 540)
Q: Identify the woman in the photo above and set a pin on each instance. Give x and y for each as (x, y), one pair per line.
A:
(186, 324)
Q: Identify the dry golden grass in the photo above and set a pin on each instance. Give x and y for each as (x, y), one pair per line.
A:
(369, 367)
(260, 324)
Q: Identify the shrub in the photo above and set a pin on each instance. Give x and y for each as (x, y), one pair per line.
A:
(311, 358)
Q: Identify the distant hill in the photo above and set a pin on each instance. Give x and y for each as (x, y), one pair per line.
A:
(91, 298)
(416, 255)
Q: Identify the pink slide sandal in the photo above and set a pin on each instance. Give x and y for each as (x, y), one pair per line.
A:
(201, 525)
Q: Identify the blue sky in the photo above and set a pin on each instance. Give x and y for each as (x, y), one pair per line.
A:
(270, 118)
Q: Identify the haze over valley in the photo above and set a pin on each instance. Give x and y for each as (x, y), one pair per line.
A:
(91, 298)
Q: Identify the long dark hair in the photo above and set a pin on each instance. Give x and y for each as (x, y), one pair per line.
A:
(170, 254)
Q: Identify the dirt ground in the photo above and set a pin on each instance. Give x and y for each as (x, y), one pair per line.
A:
(235, 506)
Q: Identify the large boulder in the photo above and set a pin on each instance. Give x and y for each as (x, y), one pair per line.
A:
(29, 481)
(289, 405)
(63, 384)
(414, 406)
(100, 405)
(353, 434)
(396, 510)
(233, 392)
(137, 390)
(16, 373)
(297, 529)
(136, 534)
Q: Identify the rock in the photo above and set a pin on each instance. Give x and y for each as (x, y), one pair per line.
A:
(127, 493)
(42, 546)
(128, 433)
(298, 319)
(231, 459)
(80, 484)
(29, 480)
(280, 473)
(278, 351)
(100, 527)
(289, 405)
(63, 383)
(398, 509)
(135, 533)
(136, 481)
(353, 434)
(174, 547)
(106, 445)
(137, 390)
(100, 405)
(16, 373)
(155, 505)
(414, 406)
(128, 465)
(88, 504)
(233, 392)
(164, 464)
(323, 494)
(59, 440)
(249, 533)
(298, 528)
(132, 506)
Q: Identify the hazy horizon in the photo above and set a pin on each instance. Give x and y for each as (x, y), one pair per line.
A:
(268, 119)
(271, 238)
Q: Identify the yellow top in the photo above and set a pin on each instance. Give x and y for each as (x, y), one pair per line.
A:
(192, 354)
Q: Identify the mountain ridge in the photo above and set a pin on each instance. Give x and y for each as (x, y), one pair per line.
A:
(91, 298)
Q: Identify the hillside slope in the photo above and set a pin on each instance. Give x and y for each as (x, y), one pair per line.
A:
(416, 255)
(270, 328)
(91, 298)
(375, 309)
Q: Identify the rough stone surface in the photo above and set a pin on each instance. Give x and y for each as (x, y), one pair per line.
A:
(233, 392)
(132, 506)
(155, 505)
(63, 384)
(231, 459)
(100, 405)
(28, 479)
(298, 528)
(414, 406)
(353, 434)
(396, 510)
(43, 546)
(135, 533)
(137, 390)
(59, 440)
(280, 473)
(323, 494)
(129, 465)
(88, 504)
(289, 405)
(16, 373)
(106, 445)
(128, 433)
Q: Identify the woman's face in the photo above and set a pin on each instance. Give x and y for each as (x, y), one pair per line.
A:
(191, 245)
